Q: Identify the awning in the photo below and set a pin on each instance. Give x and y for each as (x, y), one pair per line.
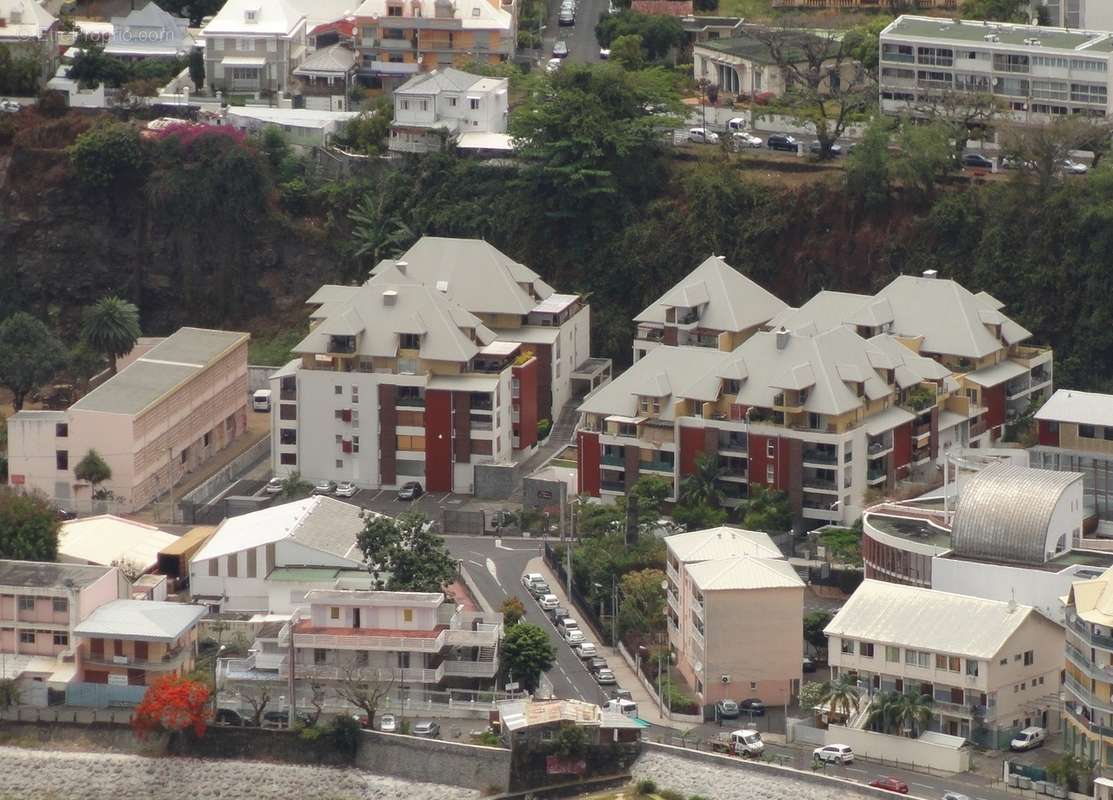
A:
(471, 383)
(625, 420)
(236, 61)
(887, 420)
(948, 419)
(484, 141)
(997, 374)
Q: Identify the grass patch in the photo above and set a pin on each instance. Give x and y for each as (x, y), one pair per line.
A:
(273, 351)
(743, 8)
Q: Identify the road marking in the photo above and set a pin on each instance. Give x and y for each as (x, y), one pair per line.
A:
(851, 769)
(500, 546)
(921, 785)
(470, 561)
(443, 499)
(378, 495)
(494, 574)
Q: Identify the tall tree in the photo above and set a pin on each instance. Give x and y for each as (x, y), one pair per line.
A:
(964, 114)
(926, 156)
(814, 624)
(702, 487)
(526, 653)
(404, 555)
(30, 355)
(111, 327)
(768, 510)
(364, 688)
(197, 69)
(1042, 149)
(643, 602)
(885, 711)
(28, 527)
(914, 713)
(841, 696)
(93, 469)
(512, 610)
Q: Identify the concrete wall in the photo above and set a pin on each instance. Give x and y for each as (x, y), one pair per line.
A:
(493, 481)
(407, 757)
(899, 748)
(1031, 587)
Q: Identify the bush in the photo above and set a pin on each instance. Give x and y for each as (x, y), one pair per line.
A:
(645, 787)
(670, 794)
(345, 733)
(310, 733)
(543, 428)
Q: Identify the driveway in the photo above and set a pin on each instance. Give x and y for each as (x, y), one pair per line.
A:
(580, 38)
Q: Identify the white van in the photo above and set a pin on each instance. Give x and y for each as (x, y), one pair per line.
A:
(737, 124)
(261, 400)
(627, 708)
(1028, 738)
(746, 742)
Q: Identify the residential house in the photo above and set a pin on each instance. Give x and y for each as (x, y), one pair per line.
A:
(149, 32)
(307, 127)
(40, 605)
(253, 46)
(1076, 435)
(132, 643)
(1036, 73)
(729, 590)
(705, 29)
(447, 106)
(28, 31)
(329, 71)
(158, 419)
(267, 560)
(111, 541)
(399, 38)
(1088, 682)
(990, 667)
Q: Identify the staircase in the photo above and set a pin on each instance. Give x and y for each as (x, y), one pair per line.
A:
(486, 653)
(858, 718)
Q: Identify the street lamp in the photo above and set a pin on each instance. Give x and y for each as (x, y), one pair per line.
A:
(614, 608)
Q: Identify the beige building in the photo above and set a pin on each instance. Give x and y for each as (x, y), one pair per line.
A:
(990, 667)
(160, 418)
(1089, 671)
(253, 46)
(735, 615)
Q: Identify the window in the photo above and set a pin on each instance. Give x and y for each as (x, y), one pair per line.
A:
(1004, 661)
(954, 663)
(61, 605)
(409, 341)
(61, 639)
(940, 661)
(62, 460)
(288, 459)
(866, 649)
(407, 615)
(1088, 93)
(1088, 66)
(26, 603)
(61, 430)
(847, 647)
(338, 389)
(334, 613)
(355, 419)
(474, 102)
(892, 654)
(424, 105)
(205, 440)
(897, 52)
(26, 637)
(937, 56)
(245, 45)
(394, 11)
(405, 105)
(1084, 432)
(910, 657)
(410, 443)
(769, 474)
(1029, 657)
(288, 435)
(320, 656)
(182, 459)
(753, 684)
(339, 463)
(287, 411)
(771, 449)
(971, 667)
(361, 658)
(355, 444)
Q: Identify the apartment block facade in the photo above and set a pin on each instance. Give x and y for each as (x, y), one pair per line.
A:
(1036, 73)
(162, 416)
(824, 402)
(1088, 731)
(990, 667)
(1094, 15)
(1075, 434)
(399, 38)
(253, 46)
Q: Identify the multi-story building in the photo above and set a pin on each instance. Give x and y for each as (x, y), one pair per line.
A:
(253, 46)
(990, 667)
(28, 31)
(40, 605)
(399, 38)
(159, 418)
(729, 589)
(1036, 73)
(1089, 671)
(433, 110)
(134, 642)
(149, 32)
(443, 390)
(1076, 435)
(1094, 15)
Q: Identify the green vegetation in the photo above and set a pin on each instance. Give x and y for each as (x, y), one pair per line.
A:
(812, 694)
(274, 350)
(642, 608)
(28, 527)
(93, 470)
(526, 653)
(658, 34)
(405, 555)
(93, 67)
(30, 355)
(571, 741)
(767, 510)
(844, 544)
(111, 328)
(18, 76)
(814, 623)
(900, 713)
(512, 610)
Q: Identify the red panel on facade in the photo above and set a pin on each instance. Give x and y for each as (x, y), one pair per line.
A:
(526, 426)
(438, 441)
(1049, 433)
(902, 445)
(692, 442)
(758, 459)
(587, 467)
(994, 399)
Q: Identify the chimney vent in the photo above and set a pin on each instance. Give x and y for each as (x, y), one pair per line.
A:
(389, 297)
(782, 338)
(401, 266)
(931, 274)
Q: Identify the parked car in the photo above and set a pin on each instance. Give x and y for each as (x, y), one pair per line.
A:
(9, 106)
(726, 709)
(64, 514)
(745, 139)
(753, 707)
(605, 677)
(559, 613)
(955, 796)
(808, 665)
(890, 785)
(410, 491)
(574, 636)
(976, 161)
(567, 624)
(427, 728)
(782, 141)
(548, 602)
(604, 53)
(324, 487)
(597, 663)
(1072, 167)
(816, 149)
(280, 719)
(1028, 739)
(560, 49)
(274, 486)
(553, 65)
(566, 17)
(226, 716)
(737, 124)
(531, 578)
(702, 136)
(587, 650)
(539, 589)
(346, 489)
(388, 723)
(621, 694)
(1013, 162)
(834, 754)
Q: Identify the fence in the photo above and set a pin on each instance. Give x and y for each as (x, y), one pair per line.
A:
(212, 487)
(103, 695)
(845, 579)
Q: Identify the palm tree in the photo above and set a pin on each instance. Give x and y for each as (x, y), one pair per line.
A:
(841, 696)
(111, 327)
(701, 487)
(914, 713)
(884, 711)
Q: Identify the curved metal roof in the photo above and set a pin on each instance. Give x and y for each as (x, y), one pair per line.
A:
(1004, 513)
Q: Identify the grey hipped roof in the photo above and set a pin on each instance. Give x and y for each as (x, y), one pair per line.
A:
(44, 575)
(336, 59)
(1084, 408)
(657, 374)
(447, 79)
(733, 301)
(1004, 513)
(150, 620)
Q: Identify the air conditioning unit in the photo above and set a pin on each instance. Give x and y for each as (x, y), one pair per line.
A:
(724, 678)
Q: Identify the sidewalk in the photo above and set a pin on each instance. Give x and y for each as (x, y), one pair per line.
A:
(647, 706)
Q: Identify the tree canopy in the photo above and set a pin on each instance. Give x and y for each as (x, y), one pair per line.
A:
(92, 468)
(30, 355)
(28, 527)
(111, 327)
(642, 604)
(404, 555)
(173, 704)
(526, 653)
(658, 33)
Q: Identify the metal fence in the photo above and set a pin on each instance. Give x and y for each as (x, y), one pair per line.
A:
(103, 695)
(192, 503)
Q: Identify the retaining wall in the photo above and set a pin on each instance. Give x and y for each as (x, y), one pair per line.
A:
(885, 747)
(493, 481)
(453, 763)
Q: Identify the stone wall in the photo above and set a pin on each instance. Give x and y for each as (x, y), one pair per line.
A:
(493, 481)
(466, 765)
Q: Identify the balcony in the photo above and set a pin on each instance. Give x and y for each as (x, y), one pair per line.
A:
(733, 443)
(673, 601)
(787, 404)
(1096, 639)
(612, 460)
(1017, 388)
(613, 486)
(649, 333)
(879, 449)
(951, 708)
(687, 317)
(342, 345)
(876, 476)
(172, 660)
(1093, 727)
(657, 466)
(332, 672)
(674, 632)
(363, 639)
(470, 669)
(1030, 355)
(672, 574)
(410, 402)
(821, 456)
(396, 45)
(817, 484)
(697, 637)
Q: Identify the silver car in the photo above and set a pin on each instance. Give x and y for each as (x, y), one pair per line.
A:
(428, 729)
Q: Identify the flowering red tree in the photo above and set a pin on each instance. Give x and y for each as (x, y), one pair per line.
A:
(172, 704)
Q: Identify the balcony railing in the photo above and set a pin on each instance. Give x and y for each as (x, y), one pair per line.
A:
(876, 475)
(672, 574)
(612, 460)
(673, 601)
(1092, 726)
(470, 669)
(820, 483)
(333, 672)
(356, 641)
(650, 334)
(613, 486)
(820, 457)
(657, 466)
(410, 402)
(1083, 627)
(171, 660)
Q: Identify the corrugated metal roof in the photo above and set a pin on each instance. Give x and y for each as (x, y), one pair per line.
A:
(107, 538)
(892, 614)
(721, 542)
(1004, 513)
(140, 619)
(745, 572)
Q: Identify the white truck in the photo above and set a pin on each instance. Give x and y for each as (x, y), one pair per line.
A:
(627, 708)
(744, 742)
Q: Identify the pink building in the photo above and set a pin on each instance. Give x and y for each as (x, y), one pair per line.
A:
(164, 414)
(40, 606)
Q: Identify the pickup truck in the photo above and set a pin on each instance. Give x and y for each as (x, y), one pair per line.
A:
(743, 742)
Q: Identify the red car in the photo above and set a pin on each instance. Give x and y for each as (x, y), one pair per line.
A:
(890, 785)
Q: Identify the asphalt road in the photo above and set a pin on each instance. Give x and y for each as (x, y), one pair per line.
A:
(580, 38)
(496, 566)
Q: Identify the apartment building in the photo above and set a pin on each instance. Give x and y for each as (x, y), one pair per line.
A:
(990, 667)
(433, 110)
(1088, 731)
(399, 38)
(1075, 434)
(1094, 15)
(29, 31)
(253, 46)
(40, 605)
(729, 589)
(134, 642)
(1036, 73)
(158, 419)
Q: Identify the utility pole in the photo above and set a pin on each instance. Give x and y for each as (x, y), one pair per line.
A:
(568, 549)
(170, 479)
(614, 611)
(290, 674)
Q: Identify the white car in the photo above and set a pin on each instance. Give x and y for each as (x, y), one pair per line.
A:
(1028, 739)
(955, 796)
(553, 65)
(548, 602)
(744, 139)
(346, 489)
(274, 486)
(10, 106)
(1072, 167)
(531, 578)
(604, 53)
(388, 723)
(587, 650)
(574, 636)
(324, 487)
(834, 754)
(703, 136)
